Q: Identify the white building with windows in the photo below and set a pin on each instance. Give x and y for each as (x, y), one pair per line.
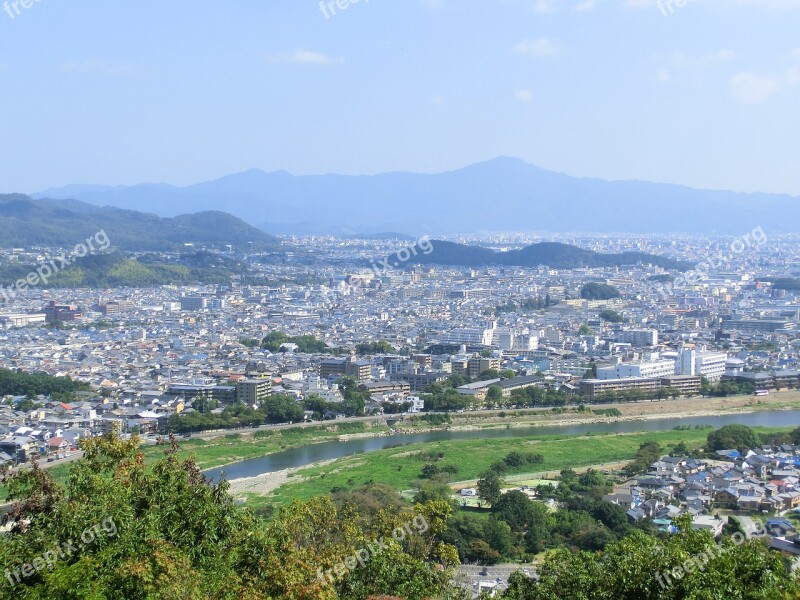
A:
(710, 365)
(657, 368)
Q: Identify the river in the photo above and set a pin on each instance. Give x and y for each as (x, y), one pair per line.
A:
(300, 457)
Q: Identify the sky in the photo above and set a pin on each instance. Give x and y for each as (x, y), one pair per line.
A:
(704, 93)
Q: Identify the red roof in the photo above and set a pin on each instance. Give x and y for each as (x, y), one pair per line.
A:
(55, 442)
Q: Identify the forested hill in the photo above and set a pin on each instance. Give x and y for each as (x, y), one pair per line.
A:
(25, 222)
(550, 254)
(117, 270)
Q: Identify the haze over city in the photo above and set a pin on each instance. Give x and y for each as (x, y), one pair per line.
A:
(422, 300)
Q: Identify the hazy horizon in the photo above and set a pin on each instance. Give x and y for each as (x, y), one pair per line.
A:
(702, 95)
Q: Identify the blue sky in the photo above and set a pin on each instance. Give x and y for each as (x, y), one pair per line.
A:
(705, 93)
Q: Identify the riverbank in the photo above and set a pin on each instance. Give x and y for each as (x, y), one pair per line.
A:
(636, 411)
(401, 468)
(512, 420)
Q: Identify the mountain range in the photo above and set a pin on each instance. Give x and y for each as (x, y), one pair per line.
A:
(503, 194)
(27, 222)
(550, 254)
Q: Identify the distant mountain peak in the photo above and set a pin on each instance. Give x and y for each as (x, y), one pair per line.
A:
(500, 194)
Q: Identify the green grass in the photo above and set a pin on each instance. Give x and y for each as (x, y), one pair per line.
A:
(399, 468)
(235, 447)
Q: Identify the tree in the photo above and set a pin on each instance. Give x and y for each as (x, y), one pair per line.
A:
(644, 567)
(489, 487)
(599, 291)
(585, 330)
(795, 436)
(495, 393)
(137, 532)
(737, 437)
(283, 409)
(489, 374)
(611, 316)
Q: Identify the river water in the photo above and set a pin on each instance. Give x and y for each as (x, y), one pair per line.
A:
(312, 453)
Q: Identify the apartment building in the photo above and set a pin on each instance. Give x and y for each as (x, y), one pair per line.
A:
(253, 391)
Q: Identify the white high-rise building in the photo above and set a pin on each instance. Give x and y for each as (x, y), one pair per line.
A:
(710, 365)
(468, 335)
(659, 368)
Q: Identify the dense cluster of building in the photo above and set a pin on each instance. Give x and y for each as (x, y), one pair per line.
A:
(153, 351)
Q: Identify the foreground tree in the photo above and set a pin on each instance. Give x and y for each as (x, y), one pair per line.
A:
(126, 530)
(642, 567)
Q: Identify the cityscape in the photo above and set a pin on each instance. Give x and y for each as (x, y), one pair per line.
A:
(442, 301)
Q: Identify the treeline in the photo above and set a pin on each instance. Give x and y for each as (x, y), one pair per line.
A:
(118, 270)
(788, 284)
(276, 409)
(18, 383)
(599, 291)
(526, 306)
(306, 344)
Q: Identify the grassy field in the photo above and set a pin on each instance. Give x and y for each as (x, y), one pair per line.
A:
(234, 447)
(401, 467)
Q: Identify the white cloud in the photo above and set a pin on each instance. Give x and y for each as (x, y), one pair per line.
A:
(303, 57)
(750, 88)
(796, 53)
(438, 100)
(539, 48)
(524, 96)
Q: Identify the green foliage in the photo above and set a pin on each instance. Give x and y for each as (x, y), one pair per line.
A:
(18, 383)
(275, 409)
(489, 486)
(611, 316)
(164, 532)
(646, 455)
(305, 343)
(644, 567)
(526, 306)
(599, 291)
(607, 412)
(436, 419)
(786, 284)
(737, 437)
(380, 347)
(117, 270)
